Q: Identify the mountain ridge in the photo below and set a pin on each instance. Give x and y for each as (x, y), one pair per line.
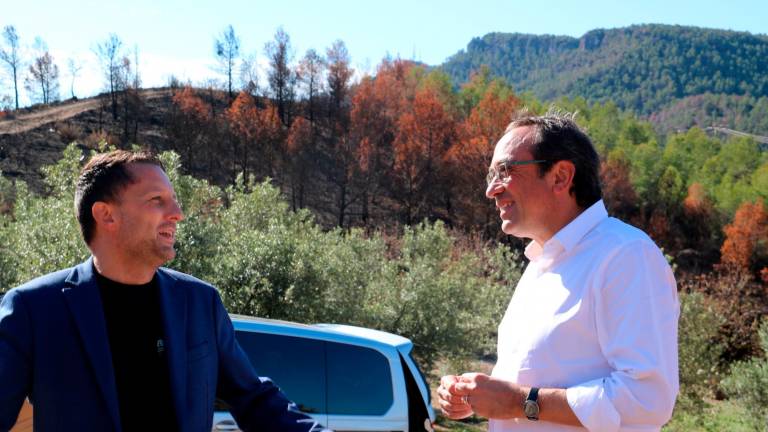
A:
(642, 68)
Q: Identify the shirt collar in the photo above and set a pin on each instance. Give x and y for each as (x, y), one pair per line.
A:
(570, 235)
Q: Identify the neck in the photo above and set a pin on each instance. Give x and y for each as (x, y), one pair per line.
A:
(111, 266)
(563, 215)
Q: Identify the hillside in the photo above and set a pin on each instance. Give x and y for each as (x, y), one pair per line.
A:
(646, 68)
(35, 137)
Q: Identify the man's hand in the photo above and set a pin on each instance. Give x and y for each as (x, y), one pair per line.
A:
(453, 406)
(487, 396)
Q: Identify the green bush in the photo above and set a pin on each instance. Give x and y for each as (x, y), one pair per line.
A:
(41, 233)
(720, 416)
(698, 351)
(445, 292)
(7, 262)
(747, 383)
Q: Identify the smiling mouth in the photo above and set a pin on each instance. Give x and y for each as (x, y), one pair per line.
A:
(168, 234)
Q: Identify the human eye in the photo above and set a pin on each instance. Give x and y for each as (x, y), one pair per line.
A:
(491, 176)
(504, 170)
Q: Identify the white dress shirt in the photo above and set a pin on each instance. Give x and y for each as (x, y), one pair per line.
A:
(595, 313)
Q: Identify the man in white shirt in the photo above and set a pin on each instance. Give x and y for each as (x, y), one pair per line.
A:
(589, 339)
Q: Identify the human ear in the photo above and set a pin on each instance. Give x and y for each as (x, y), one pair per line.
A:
(562, 175)
(104, 215)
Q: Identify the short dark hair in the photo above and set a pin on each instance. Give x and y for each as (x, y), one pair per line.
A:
(101, 179)
(557, 137)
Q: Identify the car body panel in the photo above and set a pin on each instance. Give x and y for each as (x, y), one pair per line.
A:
(395, 349)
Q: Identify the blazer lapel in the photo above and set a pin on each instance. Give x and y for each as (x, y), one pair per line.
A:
(84, 301)
(173, 306)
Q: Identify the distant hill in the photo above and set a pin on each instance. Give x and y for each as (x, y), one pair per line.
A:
(644, 68)
(36, 136)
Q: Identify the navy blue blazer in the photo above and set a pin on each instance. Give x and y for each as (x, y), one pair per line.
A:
(54, 350)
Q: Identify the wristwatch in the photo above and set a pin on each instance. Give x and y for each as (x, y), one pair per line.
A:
(531, 404)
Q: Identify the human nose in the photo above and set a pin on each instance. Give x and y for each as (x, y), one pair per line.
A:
(174, 213)
(494, 188)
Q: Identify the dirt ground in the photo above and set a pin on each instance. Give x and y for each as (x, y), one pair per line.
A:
(23, 122)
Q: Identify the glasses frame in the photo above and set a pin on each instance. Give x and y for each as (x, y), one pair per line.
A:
(501, 172)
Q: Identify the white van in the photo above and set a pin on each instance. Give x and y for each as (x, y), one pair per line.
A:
(347, 378)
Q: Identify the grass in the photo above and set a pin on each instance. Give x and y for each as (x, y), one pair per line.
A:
(719, 416)
(471, 424)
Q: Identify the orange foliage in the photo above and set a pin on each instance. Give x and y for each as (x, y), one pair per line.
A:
(365, 152)
(370, 125)
(250, 123)
(469, 158)
(745, 235)
(258, 129)
(696, 200)
(191, 105)
(243, 116)
(490, 117)
(426, 132)
(480, 131)
(299, 136)
(618, 193)
(271, 126)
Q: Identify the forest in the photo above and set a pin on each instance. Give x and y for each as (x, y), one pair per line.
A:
(320, 196)
(647, 69)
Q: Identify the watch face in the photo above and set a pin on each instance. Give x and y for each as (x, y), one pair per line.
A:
(531, 409)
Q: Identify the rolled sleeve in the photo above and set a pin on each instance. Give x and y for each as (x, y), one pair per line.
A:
(594, 410)
(636, 313)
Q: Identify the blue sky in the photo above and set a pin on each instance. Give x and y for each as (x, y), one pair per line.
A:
(176, 37)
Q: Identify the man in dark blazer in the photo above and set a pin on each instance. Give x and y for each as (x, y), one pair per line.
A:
(119, 343)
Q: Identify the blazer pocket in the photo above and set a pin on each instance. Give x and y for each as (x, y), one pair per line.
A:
(197, 351)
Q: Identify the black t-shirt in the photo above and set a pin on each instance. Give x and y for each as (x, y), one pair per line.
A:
(137, 343)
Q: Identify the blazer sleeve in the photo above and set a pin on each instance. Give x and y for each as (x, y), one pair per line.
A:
(257, 403)
(15, 357)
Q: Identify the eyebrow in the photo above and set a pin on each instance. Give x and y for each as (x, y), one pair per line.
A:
(155, 192)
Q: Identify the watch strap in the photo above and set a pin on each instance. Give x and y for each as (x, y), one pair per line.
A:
(531, 404)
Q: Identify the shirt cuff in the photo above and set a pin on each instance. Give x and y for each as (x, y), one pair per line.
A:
(593, 407)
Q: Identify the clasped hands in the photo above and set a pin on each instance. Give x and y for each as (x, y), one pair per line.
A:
(460, 396)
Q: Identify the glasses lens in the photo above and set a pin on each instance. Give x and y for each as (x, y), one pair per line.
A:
(500, 172)
(491, 176)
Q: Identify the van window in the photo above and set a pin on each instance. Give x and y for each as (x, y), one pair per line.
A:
(296, 365)
(359, 380)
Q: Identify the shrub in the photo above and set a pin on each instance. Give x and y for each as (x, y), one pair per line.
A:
(8, 276)
(100, 139)
(698, 351)
(748, 382)
(7, 195)
(69, 132)
(740, 300)
(43, 232)
(445, 293)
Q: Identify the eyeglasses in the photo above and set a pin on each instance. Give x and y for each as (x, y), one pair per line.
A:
(502, 172)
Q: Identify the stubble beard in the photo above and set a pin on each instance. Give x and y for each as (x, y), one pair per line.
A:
(151, 253)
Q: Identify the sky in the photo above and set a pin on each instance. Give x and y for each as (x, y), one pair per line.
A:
(175, 37)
